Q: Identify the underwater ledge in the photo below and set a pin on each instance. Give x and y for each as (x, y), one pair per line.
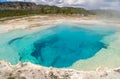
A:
(27, 48)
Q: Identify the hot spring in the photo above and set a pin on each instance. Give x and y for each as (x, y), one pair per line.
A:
(64, 45)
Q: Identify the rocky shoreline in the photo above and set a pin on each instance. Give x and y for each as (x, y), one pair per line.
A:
(31, 71)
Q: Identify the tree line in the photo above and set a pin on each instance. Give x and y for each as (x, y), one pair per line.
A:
(45, 9)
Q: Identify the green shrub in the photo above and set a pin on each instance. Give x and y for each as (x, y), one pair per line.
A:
(11, 77)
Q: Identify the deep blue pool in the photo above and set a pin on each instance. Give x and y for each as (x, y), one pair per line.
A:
(59, 46)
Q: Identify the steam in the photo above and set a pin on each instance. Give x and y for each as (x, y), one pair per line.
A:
(113, 4)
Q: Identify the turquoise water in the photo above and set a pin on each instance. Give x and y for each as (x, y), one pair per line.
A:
(59, 46)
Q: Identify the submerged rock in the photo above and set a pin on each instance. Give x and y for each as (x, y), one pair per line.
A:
(31, 71)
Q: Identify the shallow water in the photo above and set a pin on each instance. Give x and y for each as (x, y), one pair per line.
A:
(60, 46)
